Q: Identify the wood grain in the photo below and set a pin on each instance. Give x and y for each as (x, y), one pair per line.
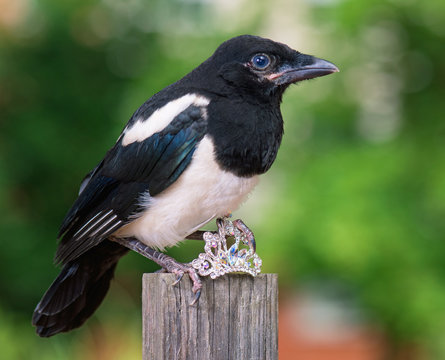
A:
(235, 318)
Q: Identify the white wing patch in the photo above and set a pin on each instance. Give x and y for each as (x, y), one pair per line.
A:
(159, 120)
(100, 223)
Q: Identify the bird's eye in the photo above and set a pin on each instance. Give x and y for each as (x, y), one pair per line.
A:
(260, 61)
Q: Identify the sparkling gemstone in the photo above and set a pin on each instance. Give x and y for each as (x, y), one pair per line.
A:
(222, 256)
(233, 249)
(218, 259)
(242, 253)
(233, 256)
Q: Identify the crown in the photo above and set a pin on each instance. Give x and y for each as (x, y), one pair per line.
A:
(240, 257)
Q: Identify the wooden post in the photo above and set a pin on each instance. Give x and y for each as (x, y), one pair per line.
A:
(236, 317)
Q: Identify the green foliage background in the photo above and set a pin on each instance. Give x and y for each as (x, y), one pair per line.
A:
(356, 196)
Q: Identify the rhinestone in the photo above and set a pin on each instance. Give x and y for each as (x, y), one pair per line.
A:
(218, 260)
(242, 253)
(240, 262)
(233, 249)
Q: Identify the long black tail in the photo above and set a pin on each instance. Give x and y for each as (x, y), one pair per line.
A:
(78, 290)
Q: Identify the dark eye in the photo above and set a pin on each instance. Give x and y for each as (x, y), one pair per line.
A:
(260, 61)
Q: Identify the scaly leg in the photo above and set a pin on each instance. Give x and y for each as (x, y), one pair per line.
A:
(166, 262)
(250, 238)
(197, 235)
(170, 265)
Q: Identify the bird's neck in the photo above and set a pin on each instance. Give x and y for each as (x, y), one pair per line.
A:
(246, 136)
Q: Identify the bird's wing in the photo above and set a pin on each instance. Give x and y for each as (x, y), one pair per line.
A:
(118, 188)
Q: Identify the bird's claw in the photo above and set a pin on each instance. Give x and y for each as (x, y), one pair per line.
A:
(196, 298)
(220, 223)
(239, 224)
(178, 278)
(180, 270)
(167, 263)
(250, 238)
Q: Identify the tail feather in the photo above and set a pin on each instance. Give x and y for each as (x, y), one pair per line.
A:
(78, 290)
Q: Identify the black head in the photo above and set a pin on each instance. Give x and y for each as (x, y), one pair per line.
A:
(262, 67)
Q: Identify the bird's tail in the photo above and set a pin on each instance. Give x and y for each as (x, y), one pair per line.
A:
(78, 290)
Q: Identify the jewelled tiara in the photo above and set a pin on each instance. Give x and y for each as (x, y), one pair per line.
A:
(241, 257)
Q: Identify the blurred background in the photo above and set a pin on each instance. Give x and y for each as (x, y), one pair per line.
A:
(351, 215)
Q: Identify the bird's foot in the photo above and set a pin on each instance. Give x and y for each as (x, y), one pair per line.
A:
(179, 269)
(167, 263)
(249, 238)
(224, 229)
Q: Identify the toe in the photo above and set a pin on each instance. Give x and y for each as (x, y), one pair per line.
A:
(178, 278)
(196, 297)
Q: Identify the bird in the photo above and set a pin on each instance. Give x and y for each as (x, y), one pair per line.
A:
(191, 153)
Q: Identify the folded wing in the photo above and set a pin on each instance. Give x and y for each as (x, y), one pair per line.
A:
(111, 195)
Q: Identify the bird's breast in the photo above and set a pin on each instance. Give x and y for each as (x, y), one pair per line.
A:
(204, 191)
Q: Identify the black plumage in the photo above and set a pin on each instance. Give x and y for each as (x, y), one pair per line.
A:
(222, 118)
(116, 184)
(78, 290)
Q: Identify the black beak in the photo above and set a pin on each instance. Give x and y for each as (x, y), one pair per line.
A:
(303, 68)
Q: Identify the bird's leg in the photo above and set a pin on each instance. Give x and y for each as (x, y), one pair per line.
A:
(197, 235)
(250, 238)
(220, 222)
(166, 262)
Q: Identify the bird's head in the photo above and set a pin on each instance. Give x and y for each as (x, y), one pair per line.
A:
(264, 68)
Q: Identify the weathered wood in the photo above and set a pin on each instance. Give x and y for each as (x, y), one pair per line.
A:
(236, 317)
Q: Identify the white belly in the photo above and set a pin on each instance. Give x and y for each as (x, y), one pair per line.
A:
(200, 194)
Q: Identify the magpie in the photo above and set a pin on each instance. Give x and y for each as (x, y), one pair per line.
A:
(191, 153)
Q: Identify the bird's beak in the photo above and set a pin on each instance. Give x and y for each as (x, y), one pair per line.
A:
(303, 68)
